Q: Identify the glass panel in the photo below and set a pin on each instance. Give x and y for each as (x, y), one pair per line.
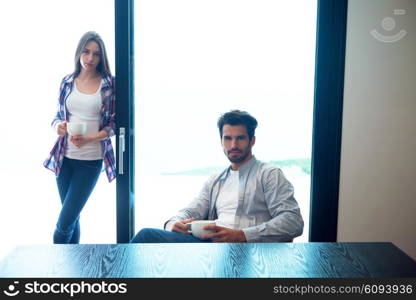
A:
(196, 59)
(39, 40)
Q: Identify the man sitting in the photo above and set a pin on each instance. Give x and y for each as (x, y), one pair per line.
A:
(250, 200)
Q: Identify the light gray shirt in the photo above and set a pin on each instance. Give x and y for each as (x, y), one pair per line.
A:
(267, 210)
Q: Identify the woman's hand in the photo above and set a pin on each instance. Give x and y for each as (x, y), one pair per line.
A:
(80, 140)
(61, 128)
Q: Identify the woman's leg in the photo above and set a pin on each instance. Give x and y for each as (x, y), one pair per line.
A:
(82, 182)
(63, 181)
(76, 234)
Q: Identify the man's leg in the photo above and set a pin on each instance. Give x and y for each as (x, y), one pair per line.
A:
(153, 235)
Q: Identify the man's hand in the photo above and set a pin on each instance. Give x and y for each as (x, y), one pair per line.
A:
(182, 226)
(225, 235)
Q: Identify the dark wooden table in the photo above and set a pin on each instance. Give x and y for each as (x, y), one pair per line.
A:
(265, 260)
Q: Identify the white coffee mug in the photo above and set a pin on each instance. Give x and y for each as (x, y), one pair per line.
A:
(198, 225)
(76, 128)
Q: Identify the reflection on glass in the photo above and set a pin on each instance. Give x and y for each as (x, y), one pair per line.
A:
(196, 59)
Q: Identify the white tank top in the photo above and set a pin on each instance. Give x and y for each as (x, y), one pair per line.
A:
(86, 108)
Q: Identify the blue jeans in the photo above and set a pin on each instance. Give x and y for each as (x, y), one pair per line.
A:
(153, 235)
(76, 181)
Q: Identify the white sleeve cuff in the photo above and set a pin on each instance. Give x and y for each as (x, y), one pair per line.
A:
(169, 225)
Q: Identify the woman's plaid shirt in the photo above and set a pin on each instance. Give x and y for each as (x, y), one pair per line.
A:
(107, 123)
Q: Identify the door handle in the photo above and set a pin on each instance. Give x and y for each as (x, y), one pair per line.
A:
(121, 149)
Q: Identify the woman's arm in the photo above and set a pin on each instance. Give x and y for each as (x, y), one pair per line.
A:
(80, 140)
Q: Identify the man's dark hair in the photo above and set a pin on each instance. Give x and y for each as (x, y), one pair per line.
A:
(238, 117)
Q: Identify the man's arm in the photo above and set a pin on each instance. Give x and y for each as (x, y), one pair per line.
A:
(286, 222)
(198, 209)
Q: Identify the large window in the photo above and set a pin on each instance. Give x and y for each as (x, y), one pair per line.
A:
(195, 59)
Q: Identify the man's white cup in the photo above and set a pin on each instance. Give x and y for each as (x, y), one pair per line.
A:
(76, 128)
(198, 225)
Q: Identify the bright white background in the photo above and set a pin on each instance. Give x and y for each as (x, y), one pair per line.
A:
(38, 42)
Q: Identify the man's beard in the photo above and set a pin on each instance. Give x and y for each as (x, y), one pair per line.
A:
(238, 159)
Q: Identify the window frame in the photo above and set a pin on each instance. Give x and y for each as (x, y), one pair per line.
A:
(327, 118)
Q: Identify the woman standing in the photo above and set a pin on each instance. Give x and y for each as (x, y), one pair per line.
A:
(86, 96)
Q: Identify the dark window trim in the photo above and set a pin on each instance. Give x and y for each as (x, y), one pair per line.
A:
(124, 40)
(327, 124)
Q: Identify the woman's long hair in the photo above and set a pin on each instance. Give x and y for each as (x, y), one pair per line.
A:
(103, 66)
